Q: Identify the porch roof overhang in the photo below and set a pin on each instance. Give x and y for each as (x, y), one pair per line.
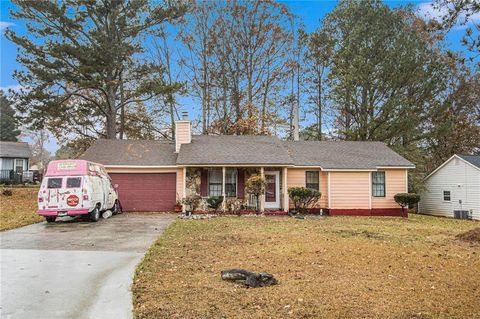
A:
(379, 168)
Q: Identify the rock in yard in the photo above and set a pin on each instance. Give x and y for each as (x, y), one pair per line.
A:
(249, 278)
(195, 217)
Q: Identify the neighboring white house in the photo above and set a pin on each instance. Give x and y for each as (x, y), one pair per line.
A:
(14, 161)
(453, 186)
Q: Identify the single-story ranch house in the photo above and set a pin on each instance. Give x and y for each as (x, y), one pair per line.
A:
(355, 178)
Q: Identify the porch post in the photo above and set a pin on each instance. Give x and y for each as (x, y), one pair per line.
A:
(286, 201)
(184, 187)
(223, 188)
(262, 197)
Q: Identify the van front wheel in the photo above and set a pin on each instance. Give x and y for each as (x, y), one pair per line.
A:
(50, 219)
(95, 215)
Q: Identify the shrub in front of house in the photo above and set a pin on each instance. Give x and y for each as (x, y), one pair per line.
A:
(406, 199)
(303, 198)
(191, 202)
(256, 185)
(214, 202)
(233, 205)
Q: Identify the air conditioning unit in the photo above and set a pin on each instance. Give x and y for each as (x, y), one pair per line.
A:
(461, 214)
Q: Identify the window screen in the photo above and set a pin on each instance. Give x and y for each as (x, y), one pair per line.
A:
(54, 183)
(378, 184)
(73, 182)
(312, 180)
(215, 182)
(231, 183)
(446, 196)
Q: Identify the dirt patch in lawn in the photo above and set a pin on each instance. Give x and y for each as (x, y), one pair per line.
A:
(19, 209)
(339, 267)
(472, 236)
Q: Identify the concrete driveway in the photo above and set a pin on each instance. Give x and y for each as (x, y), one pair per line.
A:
(72, 269)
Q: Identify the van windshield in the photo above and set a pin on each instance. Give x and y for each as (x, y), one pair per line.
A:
(73, 182)
(54, 183)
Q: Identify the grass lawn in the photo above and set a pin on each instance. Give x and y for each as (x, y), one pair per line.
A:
(338, 267)
(19, 209)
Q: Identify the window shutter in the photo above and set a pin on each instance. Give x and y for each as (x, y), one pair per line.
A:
(241, 184)
(204, 183)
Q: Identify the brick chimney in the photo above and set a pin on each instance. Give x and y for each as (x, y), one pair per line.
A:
(183, 131)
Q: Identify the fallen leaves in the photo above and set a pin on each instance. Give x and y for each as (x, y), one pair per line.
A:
(20, 209)
(339, 267)
(472, 235)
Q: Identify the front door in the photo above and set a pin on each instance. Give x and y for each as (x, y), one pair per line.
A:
(272, 192)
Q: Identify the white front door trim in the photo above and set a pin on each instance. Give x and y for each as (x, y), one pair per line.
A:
(276, 203)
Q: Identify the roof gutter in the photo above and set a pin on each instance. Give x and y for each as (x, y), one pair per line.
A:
(141, 166)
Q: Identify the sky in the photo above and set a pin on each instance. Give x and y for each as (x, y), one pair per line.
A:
(309, 12)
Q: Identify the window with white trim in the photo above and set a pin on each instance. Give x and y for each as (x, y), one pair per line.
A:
(446, 196)
(312, 180)
(231, 183)
(19, 164)
(215, 182)
(378, 184)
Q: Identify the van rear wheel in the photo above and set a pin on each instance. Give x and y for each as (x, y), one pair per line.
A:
(95, 215)
(50, 219)
(117, 209)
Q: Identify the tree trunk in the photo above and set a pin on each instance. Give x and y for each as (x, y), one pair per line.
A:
(122, 112)
(204, 89)
(111, 115)
(320, 106)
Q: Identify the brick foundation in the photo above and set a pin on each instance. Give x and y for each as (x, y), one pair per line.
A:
(369, 212)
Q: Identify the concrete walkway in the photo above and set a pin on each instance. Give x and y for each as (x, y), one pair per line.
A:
(73, 269)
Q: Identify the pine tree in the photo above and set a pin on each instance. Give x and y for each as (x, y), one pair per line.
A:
(8, 121)
(83, 62)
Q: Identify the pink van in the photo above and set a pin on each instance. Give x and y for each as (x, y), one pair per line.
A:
(76, 187)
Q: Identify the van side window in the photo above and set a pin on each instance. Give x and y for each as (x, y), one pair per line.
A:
(73, 182)
(54, 183)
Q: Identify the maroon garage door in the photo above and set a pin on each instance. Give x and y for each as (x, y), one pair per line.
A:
(146, 192)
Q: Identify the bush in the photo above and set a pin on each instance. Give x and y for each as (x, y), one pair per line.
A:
(192, 202)
(303, 198)
(7, 192)
(406, 199)
(256, 185)
(214, 202)
(233, 205)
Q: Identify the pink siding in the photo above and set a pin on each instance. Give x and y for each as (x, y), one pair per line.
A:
(350, 190)
(183, 134)
(296, 178)
(324, 189)
(395, 182)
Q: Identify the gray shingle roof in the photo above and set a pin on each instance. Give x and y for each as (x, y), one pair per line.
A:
(131, 152)
(472, 159)
(246, 150)
(344, 154)
(15, 149)
(231, 150)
